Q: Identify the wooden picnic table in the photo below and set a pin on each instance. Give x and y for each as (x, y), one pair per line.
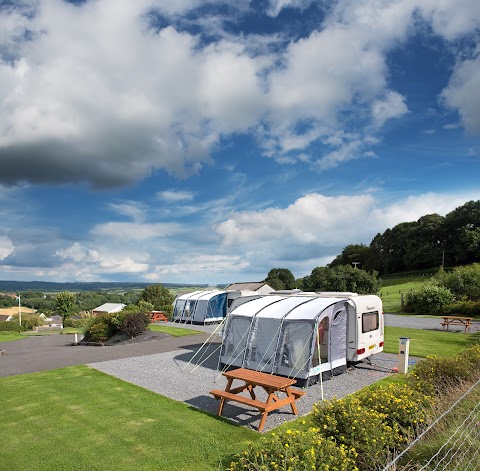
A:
(457, 320)
(250, 379)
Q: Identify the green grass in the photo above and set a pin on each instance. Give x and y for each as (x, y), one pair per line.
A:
(10, 336)
(392, 290)
(174, 331)
(426, 342)
(77, 418)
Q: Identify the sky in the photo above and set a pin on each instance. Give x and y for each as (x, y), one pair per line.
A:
(187, 141)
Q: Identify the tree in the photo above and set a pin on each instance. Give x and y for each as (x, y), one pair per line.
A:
(352, 254)
(280, 278)
(159, 296)
(343, 278)
(65, 304)
(463, 282)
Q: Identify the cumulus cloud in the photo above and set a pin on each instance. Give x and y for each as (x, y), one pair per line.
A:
(314, 229)
(462, 93)
(94, 92)
(393, 106)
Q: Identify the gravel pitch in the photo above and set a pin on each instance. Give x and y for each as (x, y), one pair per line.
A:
(188, 376)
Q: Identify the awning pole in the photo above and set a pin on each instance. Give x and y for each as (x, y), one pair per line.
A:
(320, 363)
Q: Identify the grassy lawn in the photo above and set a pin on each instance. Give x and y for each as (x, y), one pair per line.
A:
(77, 418)
(174, 331)
(427, 342)
(392, 290)
(10, 336)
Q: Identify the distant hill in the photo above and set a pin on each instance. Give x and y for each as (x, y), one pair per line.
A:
(47, 287)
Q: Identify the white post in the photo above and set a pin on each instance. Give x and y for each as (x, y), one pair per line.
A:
(19, 312)
(403, 354)
(76, 339)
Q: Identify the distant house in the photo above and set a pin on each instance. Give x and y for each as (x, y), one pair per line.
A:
(5, 318)
(259, 287)
(107, 308)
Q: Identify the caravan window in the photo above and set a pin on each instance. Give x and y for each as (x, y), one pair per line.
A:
(369, 321)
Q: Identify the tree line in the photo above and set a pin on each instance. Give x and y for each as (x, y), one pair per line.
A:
(430, 242)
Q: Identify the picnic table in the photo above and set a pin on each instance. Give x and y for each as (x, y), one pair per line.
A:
(457, 320)
(250, 379)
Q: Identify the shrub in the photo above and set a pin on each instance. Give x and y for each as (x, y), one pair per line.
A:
(350, 423)
(464, 281)
(429, 299)
(11, 326)
(135, 323)
(463, 308)
(402, 405)
(433, 375)
(295, 450)
(99, 330)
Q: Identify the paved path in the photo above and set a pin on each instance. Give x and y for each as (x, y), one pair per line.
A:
(48, 352)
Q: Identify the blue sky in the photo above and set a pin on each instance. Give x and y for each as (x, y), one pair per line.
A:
(208, 142)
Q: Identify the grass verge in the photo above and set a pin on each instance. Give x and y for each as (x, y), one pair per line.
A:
(10, 336)
(77, 418)
(427, 342)
(173, 331)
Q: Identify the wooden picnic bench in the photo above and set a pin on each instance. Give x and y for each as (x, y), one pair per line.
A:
(158, 316)
(457, 320)
(272, 385)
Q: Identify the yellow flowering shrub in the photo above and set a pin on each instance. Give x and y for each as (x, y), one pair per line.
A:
(434, 374)
(401, 404)
(352, 424)
(295, 450)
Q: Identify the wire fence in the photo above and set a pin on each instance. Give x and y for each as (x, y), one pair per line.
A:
(460, 451)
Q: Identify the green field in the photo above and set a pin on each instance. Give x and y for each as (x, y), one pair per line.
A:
(77, 418)
(392, 289)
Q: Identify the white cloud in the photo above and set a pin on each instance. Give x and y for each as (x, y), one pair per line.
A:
(173, 196)
(392, 106)
(129, 232)
(6, 247)
(132, 209)
(194, 265)
(462, 93)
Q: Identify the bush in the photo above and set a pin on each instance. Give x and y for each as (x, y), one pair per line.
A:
(463, 308)
(295, 450)
(433, 375)
(135, 323)
(464, 281)
(402, 405)
(11, 326)
(352, 424)
(429, 299)
(102, 328)
(99, 329)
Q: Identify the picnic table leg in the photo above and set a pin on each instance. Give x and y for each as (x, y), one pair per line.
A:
(294, 406)
(222, 400)
(262, 421)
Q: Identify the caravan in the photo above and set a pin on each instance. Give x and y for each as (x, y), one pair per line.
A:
(301, 335)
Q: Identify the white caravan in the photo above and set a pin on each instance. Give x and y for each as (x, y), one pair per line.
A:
(287, 333)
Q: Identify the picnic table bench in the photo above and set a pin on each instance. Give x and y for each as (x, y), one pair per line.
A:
(272, 385)
(457, 320)
(159, 317)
